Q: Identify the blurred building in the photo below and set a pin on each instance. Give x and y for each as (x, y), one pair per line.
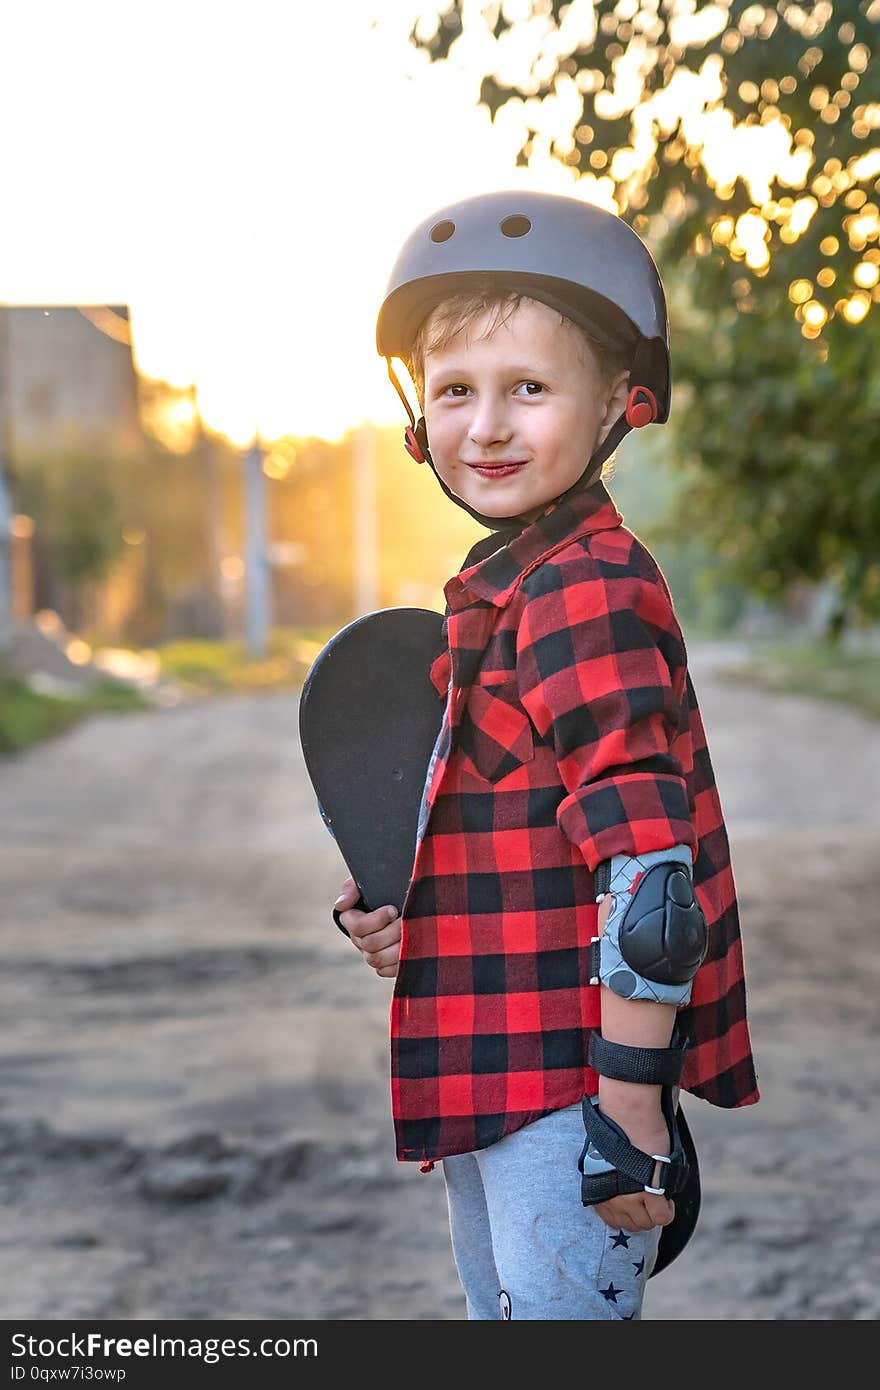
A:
(68, 387)
(67, 380)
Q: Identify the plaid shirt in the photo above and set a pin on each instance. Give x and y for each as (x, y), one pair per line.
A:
(571, 733)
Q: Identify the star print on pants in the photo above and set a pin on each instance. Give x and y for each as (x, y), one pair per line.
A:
(620, 1239)
(611, 1292)
(640, 1266)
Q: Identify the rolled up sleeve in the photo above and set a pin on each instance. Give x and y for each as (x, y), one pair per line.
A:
(601, 669)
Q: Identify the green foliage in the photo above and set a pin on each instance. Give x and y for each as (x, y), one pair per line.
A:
(202, 662)
(818, 669)
(77, 501)
(26, 717)
(211, 668)
(653, 496)
(780, 445)
(778, 426)
(806, 66)
(98, 517)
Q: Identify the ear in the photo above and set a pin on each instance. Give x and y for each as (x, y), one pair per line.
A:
(615, 405)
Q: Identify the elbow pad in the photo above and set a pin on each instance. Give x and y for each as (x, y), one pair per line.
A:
(655, 939)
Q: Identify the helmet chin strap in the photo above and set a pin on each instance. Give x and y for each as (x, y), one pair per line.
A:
(638, 412)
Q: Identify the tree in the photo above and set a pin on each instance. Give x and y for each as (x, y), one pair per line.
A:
(779, 437)
(741, 141)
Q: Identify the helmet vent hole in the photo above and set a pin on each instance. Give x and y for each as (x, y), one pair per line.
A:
(442, 231)
(517, 225)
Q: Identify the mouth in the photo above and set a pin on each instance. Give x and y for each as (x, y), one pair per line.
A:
(497, 470)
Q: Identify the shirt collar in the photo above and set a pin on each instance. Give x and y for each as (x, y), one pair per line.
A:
(495, 578)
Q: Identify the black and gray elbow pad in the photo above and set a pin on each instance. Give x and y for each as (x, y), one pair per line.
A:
(655, 939)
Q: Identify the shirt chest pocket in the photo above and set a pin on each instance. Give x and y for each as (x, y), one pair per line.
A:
(495, 732)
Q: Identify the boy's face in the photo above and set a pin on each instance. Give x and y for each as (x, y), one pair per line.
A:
(527, 393)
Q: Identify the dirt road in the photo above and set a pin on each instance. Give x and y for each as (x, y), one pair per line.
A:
(194, 1107)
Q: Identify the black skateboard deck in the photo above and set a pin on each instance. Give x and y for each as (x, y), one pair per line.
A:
(369, 717)
(675, 1236)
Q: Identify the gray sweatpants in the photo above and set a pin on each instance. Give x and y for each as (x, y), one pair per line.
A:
(524, 1245)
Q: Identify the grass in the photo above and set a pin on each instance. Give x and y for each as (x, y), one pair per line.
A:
(818, 669)
(27, 716)
(200, 668)
(213, 668)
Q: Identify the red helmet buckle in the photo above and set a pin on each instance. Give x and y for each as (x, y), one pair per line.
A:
(641, 412)
(411, 444)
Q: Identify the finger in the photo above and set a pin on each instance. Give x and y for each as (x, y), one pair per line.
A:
(367, 923)
(389, 956)
(345, 893)
(378, 940)
(363, 924)
(641, 1215)
(643, 1222)
(632, 1222)
(350, 919)
(628, 1213)
(388, 971)
(620, 1223)
(659, 1209)
(615, 1214)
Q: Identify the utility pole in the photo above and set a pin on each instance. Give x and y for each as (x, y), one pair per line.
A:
(366, 576)
(256, 560)
(206, 455)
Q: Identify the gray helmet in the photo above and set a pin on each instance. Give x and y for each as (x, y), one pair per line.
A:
(577, 258)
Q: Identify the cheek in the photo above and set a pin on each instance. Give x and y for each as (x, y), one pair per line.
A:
(554, 436)
(443, 435)
(575, 430)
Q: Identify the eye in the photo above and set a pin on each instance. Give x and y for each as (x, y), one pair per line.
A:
(455, 388)
(528, 387)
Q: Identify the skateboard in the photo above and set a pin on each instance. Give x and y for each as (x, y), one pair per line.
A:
(369, 717)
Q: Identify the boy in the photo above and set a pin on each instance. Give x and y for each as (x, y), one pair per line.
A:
(571, 925)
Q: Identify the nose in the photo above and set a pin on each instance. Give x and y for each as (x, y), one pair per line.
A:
(489, 423)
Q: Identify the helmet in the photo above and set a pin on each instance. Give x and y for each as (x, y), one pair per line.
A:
(575, 257)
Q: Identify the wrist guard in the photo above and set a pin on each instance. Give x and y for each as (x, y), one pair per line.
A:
(655, 938)
(609, 1164)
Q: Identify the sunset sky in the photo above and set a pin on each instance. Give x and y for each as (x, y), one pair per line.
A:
(242, 177)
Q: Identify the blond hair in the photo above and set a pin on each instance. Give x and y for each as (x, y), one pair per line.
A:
(456, 314)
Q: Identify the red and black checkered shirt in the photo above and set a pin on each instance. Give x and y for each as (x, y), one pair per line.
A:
(571, 733)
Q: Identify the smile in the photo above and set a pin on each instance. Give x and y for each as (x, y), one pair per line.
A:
(496, 470)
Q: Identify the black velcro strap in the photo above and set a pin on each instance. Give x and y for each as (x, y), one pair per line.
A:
(361, 907)
(594, 958)
(601, 1187)
(647, 1066)
(602, 877)
(615, 1148)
